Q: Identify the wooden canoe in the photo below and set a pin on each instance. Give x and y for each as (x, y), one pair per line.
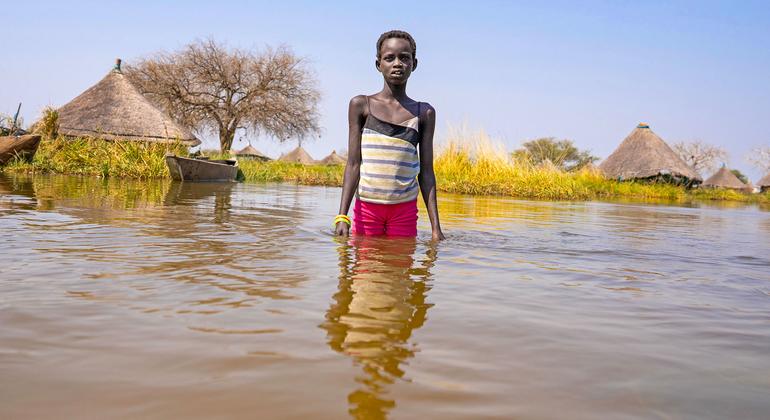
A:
(23, 146)
(187, 169)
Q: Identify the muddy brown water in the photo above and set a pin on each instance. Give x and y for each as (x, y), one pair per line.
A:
(125, 299)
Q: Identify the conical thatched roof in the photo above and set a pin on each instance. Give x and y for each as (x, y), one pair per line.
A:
(723, 178)
(333, 159)
(113, 109)
(298, 155)
(644, 155)
(250, 152)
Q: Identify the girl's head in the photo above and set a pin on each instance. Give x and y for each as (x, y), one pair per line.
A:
(396, 56)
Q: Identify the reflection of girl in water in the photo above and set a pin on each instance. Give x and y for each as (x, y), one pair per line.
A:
(381, 300)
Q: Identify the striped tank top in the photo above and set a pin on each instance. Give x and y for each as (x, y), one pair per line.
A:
(389, 160)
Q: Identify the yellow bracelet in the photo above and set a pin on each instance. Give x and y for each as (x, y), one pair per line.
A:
(342, 218)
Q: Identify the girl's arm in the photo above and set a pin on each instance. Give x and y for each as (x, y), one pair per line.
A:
(427, 178)
(356, 120)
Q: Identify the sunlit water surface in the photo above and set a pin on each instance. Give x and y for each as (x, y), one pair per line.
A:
(127, 299)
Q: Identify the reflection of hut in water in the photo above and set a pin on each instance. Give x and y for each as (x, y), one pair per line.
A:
(298, 155)
(333, 159)
(723, 178)
(114, 109)
(764, 183)
(645, 156)
(250, 153)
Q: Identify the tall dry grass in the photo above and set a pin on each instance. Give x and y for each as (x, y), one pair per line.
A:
(473, 163)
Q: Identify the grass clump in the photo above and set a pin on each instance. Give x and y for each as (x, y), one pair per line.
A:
(84, 156)
(277, 171)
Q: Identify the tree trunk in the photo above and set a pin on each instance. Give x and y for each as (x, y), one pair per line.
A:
(226, 140)
(227, 134)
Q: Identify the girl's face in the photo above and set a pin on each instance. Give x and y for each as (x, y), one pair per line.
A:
(396, 62)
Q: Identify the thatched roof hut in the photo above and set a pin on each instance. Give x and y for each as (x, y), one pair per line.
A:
(644, 155)
(764, 183)
(114, 109)
(723, 178)
(249, 152)
(749, 188)
(333, 159)
(298, 155)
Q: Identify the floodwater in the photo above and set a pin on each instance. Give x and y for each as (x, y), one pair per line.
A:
(134, 299)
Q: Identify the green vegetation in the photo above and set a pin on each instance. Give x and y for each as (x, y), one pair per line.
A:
(99, 158)
(560, 153)
(738, 174)
(464, 164)
(275, 171)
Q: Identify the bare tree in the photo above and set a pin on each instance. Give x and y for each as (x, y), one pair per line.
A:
(760, 158)
(700, 156)
(212, 88)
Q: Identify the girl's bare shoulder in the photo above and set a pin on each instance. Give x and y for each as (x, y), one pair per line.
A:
(358, 105)
(358, 101)
(427, 111)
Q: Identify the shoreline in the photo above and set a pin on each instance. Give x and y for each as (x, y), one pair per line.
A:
(458, 169)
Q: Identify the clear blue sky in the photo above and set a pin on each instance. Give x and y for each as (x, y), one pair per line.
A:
(586, 71)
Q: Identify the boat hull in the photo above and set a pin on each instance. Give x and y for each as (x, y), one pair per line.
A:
(198, 170)
(23, 146)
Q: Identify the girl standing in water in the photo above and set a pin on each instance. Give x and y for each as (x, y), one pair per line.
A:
(384, 169)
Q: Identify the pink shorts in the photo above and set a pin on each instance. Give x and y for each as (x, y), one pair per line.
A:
(385, 219)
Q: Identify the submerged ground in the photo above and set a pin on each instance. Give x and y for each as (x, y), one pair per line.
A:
(155, 299)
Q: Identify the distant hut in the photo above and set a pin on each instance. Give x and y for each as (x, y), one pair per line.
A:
(749, 188)
(250, 153)
(333, 159)
(723, 178)
(114, 109)
(298, 155)
(644, 155)
(764, 183)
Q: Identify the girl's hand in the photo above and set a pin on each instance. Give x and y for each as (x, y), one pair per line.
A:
(342, 229)
(438, 235)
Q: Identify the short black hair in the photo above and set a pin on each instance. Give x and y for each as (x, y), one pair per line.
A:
(397, 34)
